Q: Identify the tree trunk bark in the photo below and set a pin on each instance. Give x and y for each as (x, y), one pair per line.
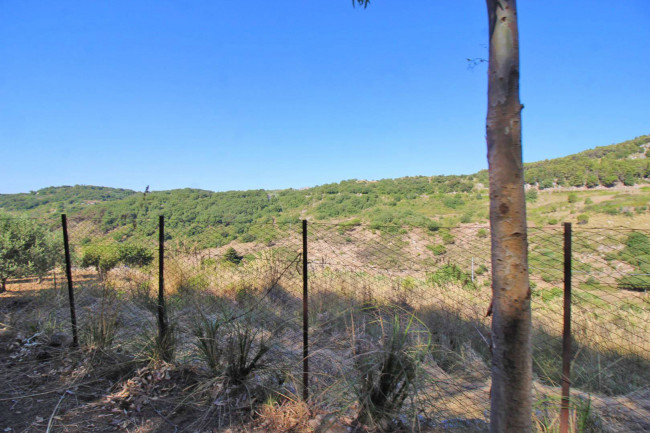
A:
(511, 396)
(3, 285)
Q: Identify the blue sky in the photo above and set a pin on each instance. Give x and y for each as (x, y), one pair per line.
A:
(220, 94)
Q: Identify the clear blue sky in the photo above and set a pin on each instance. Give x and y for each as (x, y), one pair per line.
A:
(224, 94)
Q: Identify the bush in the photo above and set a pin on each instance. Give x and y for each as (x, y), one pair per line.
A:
(247, 237)
(572, 197)
(481, 270)
(106, 257)
(387, 360)
(134, 255)
(448, 238)
(583, 218)
(451, 274)
(231, 256)
(531, 195)
(26, 249)
(482, 233)
(548, 295)
(102, 257)
(437, 250)
(234, 349)
(639, 242)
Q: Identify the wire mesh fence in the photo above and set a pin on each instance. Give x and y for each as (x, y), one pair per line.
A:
(397, 318)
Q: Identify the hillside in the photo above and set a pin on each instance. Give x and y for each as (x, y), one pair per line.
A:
(602, 181)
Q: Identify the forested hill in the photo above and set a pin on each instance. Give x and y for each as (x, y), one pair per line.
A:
(419, 200)
(60, 198)
(625, 162)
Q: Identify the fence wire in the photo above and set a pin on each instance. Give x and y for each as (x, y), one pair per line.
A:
(419, 296)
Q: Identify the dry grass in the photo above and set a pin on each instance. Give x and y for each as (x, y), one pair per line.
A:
(451, 393)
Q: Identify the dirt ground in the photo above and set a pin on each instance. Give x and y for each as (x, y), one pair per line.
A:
(50, 386)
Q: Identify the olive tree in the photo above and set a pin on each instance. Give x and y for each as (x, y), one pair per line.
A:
(26, 249)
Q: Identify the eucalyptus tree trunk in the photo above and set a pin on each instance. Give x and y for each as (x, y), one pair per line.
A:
(511, 396)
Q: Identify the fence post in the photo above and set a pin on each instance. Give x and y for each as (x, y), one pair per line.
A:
(68, 272)
(305, 316)
(162, 320)
(566, 333)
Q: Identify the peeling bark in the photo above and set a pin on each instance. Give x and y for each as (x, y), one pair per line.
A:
(511, 396)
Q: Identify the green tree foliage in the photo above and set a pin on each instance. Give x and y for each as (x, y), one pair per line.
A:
(128, 216)
(134, 255)
(62, 198)
(26, 249)
(232, 256)
(604, 166)
(104, 257)
(637, 254)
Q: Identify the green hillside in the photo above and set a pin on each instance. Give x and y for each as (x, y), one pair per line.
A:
(577, 188)
(61, 198)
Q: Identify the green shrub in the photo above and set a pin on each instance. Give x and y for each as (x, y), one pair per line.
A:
(548, 295)
(547, 278)
(231, 256)
(447, 238)
(531, 195)
(482, 233)
(481, 270)
(437, 250)
(247, 237)
(102, 257)
(26, 249)
(640, 283)
(637, 243)
(134, 255)
(466, 218)
(451, 274)
(583, 218)
(348, 225)
(196, 282)
(572, 197)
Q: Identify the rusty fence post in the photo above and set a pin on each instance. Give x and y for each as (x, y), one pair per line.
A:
(68, 272)
(305, 316)
(566, 333)
(162, 319)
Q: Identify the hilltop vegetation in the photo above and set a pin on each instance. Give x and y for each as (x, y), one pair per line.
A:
(577, 187)
(625, 163)
(61, 198)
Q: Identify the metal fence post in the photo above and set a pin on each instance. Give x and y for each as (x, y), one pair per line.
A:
(162, 320)
(68, 271)
(305, 316)
(566, 333)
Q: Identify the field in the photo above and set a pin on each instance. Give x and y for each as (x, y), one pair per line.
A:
(383, 303)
